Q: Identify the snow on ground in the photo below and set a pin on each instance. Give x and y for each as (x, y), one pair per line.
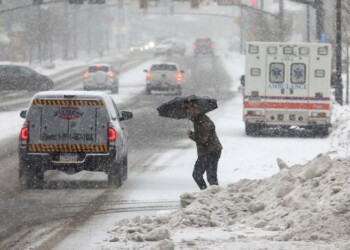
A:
(292, 195)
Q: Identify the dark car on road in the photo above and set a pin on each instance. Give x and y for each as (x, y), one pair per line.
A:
(204, 46)
(19, 77)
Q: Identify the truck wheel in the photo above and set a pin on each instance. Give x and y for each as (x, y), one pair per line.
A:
(30, 177)
(178, 91)
(252, 129)
(125, 168)
(115, 89)
(115, 176)
(147, 91)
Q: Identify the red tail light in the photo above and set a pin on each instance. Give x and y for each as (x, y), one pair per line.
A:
(179, 77)
(86, 74)
(195, 46)
(112, 134)
(148, 76)
(24, 136)
(212, 46)
(111, 74)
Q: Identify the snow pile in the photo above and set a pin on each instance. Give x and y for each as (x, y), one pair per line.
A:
(301, 203)
(340, 140)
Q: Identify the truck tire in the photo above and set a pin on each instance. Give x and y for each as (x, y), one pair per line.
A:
(115, 89)
(125, 168)
(147, 91)
(178, 91)
(115, 176)
(30, 177)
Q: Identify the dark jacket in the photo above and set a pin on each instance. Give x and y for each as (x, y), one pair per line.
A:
(205, 136)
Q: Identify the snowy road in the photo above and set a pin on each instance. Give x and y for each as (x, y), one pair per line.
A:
(149, 134)
(160, 159)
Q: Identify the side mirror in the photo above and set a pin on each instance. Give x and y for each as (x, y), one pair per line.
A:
(126, 115)
(145, 70)
(23, 114)
(242, 80)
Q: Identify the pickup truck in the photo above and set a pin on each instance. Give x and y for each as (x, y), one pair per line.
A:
(164, 77)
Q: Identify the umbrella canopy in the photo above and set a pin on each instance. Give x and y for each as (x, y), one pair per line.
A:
(176, 109)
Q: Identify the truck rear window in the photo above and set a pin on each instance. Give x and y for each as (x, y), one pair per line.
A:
(161, 67)
(94, 69)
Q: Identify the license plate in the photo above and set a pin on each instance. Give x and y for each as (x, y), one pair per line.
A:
(68, 157)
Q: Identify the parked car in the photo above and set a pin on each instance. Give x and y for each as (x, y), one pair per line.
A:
(19, 77)
(170, 47)
(164, 77)
(73, 131)
(101, 77)
(203, 46)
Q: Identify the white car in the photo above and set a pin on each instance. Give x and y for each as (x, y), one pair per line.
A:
(101, 77)
(72, 131)
(164, 77)
(170, 47)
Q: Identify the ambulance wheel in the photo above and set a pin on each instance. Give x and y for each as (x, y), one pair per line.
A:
(252, 129)
(115, 176)
(321, 131)
(30, 177)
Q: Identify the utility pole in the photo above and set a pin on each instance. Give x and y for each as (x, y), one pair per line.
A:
(39, 34)
(339, 85)
(65, 32)
(308, 23)
(320, 14)
(280, 18)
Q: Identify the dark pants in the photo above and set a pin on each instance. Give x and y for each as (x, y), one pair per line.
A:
(209, 164)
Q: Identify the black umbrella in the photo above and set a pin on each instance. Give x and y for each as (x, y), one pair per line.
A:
(176, 109)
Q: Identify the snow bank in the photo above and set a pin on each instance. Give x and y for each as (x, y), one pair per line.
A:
(308, 202)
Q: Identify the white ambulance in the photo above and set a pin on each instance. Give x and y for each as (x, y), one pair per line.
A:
(286, 85)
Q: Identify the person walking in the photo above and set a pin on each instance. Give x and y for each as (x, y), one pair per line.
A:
(208, 146)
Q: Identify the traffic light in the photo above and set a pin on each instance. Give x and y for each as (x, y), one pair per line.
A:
(252, 3)
(37, 2)
(97, 1)
(76, 1)
(143, 4)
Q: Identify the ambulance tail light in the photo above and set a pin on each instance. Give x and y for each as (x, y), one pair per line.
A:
(24, 135)
(148, 76)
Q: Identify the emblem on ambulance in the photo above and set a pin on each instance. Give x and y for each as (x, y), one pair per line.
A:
(68, 113)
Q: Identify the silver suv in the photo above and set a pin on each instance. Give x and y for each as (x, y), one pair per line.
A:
(101, 77)
(170, 47)
(73, 131)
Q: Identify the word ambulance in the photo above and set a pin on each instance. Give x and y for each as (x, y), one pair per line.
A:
(287, 85)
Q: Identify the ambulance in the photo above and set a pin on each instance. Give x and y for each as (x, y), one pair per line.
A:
(286, 85)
